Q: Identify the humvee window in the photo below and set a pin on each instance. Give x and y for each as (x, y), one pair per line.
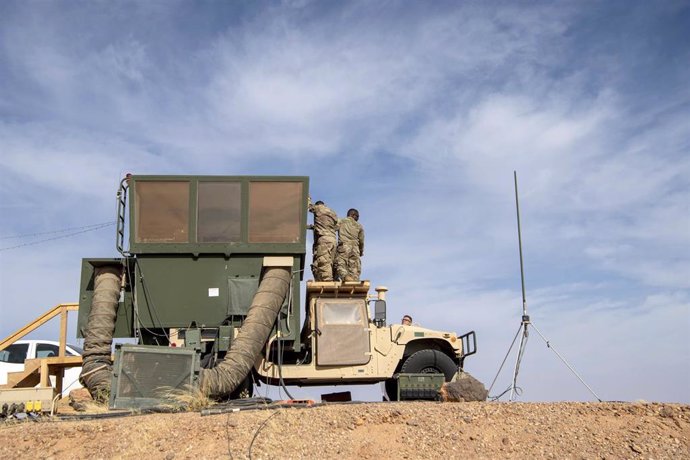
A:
(274, 212)
(220, 212)
(162, 212)
(342, 312)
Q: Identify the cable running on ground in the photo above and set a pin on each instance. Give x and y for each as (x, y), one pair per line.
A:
(258, 430)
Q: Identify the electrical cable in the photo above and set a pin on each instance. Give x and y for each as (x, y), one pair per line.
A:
(222, 409)
(138, 326)
(52, 232)
(227, 434)
(32, 243)
(280, 361)
(115, 414)
(149, 303)
(235, 406)
(258, 430)
(265, 390)
(273, 355)
(279, 344)
(289, 305)
(135, 298)
(238, 404)
(65, 387)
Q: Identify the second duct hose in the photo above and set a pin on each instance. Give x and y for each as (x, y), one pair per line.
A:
(231, 372)
(96, 370)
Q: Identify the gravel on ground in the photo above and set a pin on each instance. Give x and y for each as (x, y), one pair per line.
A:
(369, 430)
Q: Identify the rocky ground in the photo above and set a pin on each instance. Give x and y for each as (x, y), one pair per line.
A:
(371, 430)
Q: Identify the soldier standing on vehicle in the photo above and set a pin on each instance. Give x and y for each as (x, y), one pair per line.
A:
(350, 247)
(323, 250)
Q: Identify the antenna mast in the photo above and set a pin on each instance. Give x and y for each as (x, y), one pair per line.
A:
(526, 322)
(525, 316)
(522, 270)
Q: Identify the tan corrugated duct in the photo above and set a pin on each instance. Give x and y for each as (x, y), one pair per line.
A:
(231, 372)
(96, 370)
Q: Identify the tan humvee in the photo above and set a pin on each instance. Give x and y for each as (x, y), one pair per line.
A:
(347, 345)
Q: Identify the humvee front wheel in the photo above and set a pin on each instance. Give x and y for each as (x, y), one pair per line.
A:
(423, 362)
(430, 362)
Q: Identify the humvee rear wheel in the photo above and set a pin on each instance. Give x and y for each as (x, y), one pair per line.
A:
(430, 362)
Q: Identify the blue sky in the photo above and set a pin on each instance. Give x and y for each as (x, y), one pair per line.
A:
(416, 113)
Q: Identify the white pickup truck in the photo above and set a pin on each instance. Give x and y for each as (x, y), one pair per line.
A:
(12, 360)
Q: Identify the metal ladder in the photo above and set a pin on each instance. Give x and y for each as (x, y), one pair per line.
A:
(121, 209)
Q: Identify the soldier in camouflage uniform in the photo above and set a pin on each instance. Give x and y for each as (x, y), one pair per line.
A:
(323, 250)
(350, 247)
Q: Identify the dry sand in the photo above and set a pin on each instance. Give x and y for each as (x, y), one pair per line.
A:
(371, 430)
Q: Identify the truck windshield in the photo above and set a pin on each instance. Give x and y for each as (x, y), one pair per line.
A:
(75, 348)
(15, 353)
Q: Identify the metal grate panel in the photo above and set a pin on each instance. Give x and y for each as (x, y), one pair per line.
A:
(144, 376)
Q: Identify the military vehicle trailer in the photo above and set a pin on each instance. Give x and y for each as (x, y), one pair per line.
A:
(209, 286)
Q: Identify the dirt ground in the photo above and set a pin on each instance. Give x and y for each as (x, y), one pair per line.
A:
(368, 430)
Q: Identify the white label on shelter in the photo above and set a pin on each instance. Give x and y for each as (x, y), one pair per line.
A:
(213, 292)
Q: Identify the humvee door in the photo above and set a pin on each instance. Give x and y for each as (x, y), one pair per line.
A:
(342, 332)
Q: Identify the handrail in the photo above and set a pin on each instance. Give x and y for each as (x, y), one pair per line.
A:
(60, 309)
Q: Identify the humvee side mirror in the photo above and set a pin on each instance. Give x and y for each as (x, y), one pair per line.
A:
(380, 313)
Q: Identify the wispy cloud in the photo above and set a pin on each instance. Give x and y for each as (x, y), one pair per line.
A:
(415, 114)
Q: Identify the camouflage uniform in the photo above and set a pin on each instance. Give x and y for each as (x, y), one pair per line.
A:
(350, 247)
(323, 250)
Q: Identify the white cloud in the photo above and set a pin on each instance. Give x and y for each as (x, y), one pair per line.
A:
(415, 115)
(62, 158)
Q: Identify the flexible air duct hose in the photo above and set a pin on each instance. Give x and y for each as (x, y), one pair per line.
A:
(96, 370)
(231, 372)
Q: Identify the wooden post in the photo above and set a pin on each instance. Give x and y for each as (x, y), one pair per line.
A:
(60, 374)
(63, 332)
(59, 378)
(45, 380)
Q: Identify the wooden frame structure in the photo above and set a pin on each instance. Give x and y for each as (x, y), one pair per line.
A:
(38, 371)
